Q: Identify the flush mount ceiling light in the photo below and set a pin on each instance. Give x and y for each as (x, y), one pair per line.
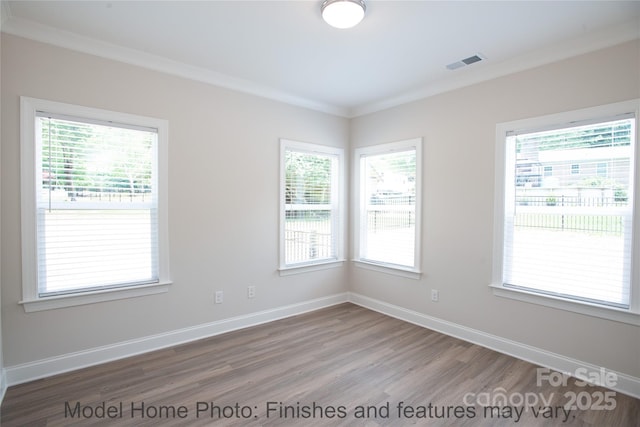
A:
(343, 13)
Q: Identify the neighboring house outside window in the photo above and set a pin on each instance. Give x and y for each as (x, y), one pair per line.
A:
(575, 168)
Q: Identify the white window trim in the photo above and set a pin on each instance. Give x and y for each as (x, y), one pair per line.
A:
(390, 147)
(307, 267)
(338, 208)
(388, 269)
(630, 315)
(30, 298)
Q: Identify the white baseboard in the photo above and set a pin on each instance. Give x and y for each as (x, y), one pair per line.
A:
(3, 384)
(69, 362)
(18, 374)
(626, 384)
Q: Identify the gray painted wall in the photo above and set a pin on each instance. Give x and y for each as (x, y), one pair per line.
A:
(223, 193)
(223, 199)
(458, 130)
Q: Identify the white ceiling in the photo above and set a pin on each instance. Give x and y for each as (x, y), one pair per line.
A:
(283, 50)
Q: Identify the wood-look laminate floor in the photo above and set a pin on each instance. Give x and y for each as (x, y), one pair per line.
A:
(343, 365)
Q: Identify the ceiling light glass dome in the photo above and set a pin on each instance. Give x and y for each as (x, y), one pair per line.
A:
(343, 13)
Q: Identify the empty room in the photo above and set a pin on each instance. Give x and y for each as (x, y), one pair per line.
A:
(339, 212)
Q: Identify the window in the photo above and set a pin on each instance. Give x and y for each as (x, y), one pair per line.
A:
(311, 205)
(602, 169)
(387, 225)
(571, 241)
(94, 205)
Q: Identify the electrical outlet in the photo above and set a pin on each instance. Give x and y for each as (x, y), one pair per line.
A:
(435, 295)
(219, 297)
(251, 291)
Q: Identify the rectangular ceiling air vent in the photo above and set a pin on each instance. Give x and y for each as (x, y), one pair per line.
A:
(466, 61)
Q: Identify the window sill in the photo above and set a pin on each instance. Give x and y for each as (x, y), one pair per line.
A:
(71, 300)
(609, 313)
(388, 269)
(304, 268)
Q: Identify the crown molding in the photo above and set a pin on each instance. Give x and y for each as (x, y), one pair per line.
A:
(590, 42)
(68, 40)
(458, 79)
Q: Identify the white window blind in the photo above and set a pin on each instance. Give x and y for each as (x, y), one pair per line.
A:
(569, 211)
(388, 200)
(96, 205)
(311, 199)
